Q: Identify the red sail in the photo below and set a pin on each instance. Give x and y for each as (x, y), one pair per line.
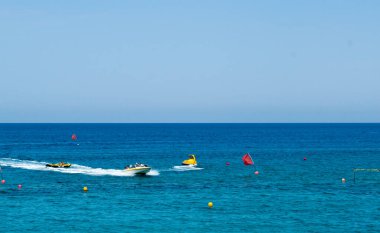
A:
(247, 159)
(74, 137)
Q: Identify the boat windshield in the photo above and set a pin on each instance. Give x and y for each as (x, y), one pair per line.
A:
(137, 165)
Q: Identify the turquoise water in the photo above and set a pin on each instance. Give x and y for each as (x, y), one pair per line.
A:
(289, 195)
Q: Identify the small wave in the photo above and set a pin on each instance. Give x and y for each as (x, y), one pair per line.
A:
(74, 169)
(186, 168)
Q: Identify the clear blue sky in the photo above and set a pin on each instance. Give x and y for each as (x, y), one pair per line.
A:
(190, 61)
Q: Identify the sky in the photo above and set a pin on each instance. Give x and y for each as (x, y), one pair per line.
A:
(189, 61)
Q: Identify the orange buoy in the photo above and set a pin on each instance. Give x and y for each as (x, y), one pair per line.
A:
(74, 137)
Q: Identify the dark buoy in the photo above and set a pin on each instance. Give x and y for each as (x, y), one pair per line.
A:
(304, 158)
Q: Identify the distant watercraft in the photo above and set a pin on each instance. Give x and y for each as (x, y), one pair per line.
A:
(138, 169)
(191, 161)
(188, 164)
(59, 165)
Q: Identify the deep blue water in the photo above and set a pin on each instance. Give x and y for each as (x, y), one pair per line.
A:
(289, 194)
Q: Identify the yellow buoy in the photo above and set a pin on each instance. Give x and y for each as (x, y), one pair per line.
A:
(85, 188)
(210, 204)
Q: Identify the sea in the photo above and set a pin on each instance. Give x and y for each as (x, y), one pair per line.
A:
(305, 182)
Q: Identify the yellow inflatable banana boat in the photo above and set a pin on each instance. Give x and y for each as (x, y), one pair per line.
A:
(59, 165)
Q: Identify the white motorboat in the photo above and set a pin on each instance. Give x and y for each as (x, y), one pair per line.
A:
(138, 169)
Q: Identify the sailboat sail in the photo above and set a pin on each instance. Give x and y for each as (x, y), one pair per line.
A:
(247, 160)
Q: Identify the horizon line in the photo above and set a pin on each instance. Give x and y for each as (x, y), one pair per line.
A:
(189, 122)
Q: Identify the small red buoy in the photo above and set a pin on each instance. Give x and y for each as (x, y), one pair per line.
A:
(74, 137)
(228, 163)
(19, 186)
(3, 181)
(304, 158)
(256, 172)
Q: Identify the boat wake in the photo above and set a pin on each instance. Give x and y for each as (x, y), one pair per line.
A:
(186, 168)
(74, 169)
(153, 173)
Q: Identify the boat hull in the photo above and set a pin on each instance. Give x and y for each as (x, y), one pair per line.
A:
(58, 166)
(138, 170)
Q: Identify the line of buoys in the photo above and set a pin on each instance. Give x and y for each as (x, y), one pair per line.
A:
(19, 186)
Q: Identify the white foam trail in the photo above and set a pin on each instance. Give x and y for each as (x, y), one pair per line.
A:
(186, 168)
(74, 169)
(78, 169)
(153, 173)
